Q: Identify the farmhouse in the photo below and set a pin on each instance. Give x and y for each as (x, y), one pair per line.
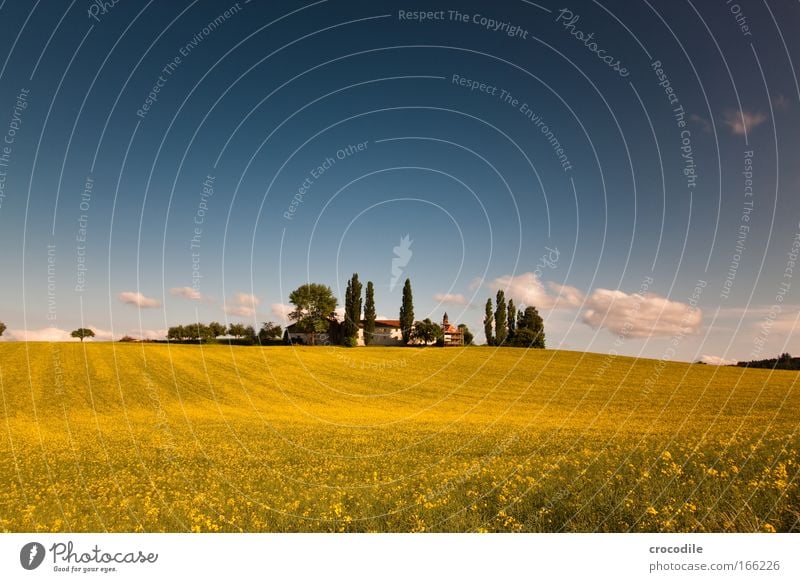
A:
(388, 332)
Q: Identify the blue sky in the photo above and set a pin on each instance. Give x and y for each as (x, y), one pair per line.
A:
(524, 162)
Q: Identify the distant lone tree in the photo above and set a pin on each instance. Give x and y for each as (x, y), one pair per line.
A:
(314, 308)
(488, 323)
(82, 332)
(2, 328)
(407, 313)
(369, 314)
(352, 311)
(500, 314)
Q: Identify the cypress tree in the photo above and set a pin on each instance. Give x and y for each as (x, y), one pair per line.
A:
(488, 323)
(500, 329)
(369, 314)
(407, 312)
(352, 311)
(512, 320)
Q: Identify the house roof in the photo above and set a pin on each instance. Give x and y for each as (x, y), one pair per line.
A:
(387, 323)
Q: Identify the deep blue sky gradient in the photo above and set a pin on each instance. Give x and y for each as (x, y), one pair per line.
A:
(470, 179)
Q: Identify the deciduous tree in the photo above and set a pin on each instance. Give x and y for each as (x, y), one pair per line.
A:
(314, 305)
(468, 336)
(82, 332)
(426, 331)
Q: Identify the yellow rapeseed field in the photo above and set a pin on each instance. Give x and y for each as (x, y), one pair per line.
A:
(154, 437)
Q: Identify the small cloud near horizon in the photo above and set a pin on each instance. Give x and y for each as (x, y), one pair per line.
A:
(717, 360)
(137, 299)
(242, 305)
(187, 293)
(450, 298)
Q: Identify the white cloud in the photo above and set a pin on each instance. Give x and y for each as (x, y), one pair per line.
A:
(527, 289)
(740, 122)
(247, 299)
(243, 305)
(139, 300)
(187, 293)
(53, 334)
(451, 298)
(47, 334)
(240, 311)
(566, 295)
(281, 311)
(716, 360)
(640, 316)
(741, 312)
(102, 335)
(780, 327)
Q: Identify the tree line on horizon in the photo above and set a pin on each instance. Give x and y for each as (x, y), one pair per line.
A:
(269, 333)
(783, 362)
(315, 313)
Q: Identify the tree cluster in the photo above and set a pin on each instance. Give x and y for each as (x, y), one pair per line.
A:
(209, 332)
(507, 326)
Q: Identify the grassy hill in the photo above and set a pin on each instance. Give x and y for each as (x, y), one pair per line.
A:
(154, 437)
